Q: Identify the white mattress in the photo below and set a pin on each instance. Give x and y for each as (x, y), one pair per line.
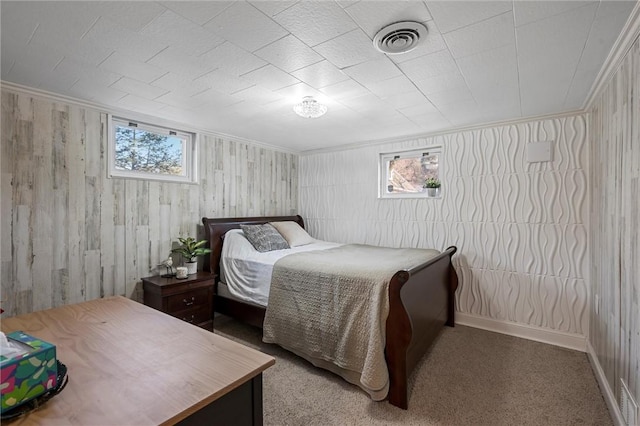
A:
(247, 272)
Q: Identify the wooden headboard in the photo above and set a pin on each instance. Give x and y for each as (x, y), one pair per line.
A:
(214, 230)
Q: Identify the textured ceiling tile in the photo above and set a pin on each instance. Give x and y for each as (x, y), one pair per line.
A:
(270, 77)
(289, 54)
(32, 65)
(130, 14)
(131, 67)
(367, 102)
(248, 111)
(271, 7)
(430, 121)
(391, 86)
(527, 12)
(611, 14)
(213, 99)
(84, 71)
(181, 33)
(373, 71)
(461, 113)
(5, 67)
(320, 74)
(199, 12)
(486, 35)
(80, 51)
(89, 90)
(489, 73)
(405, 100)
(344, 90)
(257, 94)
(428, 66)
(539, 53)
(136, 103)
(442, 82)
(315, 22)
(425, 108)
(179, 83)
(454, 15)
(349, 49)
(246, 26)
(17, 23)
(174, 60)
(372, 19)
(78, 18)
(138, 88)
(57, 81)
(560, 53)
(108, 34)
(175, 100)
(232, 59)
(450, 96)
(296, 92)
(223, 82)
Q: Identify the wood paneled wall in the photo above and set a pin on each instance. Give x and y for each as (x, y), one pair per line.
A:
(615, 225)
(520, 228)
(69, 234)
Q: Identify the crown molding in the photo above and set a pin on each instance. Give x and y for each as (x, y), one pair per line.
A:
(450, 131)
(55, 97)
(617, 54)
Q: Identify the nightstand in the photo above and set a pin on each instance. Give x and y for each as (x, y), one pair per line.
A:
(190, 299)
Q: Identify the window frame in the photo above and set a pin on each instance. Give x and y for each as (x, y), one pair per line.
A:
(189, 152)
(385, 157)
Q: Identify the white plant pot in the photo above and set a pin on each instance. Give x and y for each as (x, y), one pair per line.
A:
(192, 267)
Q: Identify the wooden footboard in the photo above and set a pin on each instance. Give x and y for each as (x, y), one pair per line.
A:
(421, 301)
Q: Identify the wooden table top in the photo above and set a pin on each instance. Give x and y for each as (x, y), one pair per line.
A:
(129, 364)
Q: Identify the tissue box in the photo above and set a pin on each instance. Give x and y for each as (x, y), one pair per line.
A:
(30, 372)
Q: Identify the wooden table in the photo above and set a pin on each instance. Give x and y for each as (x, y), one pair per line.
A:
(129, 364)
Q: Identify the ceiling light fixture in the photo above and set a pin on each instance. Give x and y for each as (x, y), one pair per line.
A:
(401, 37)
(310, 108)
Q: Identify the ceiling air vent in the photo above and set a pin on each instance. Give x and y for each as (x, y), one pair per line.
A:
(400, 37)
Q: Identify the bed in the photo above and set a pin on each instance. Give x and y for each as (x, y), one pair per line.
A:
(420, 300)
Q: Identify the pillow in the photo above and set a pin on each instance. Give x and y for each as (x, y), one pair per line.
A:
(264, 237)
(293, 233)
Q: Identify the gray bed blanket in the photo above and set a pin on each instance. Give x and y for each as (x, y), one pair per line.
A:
(331, 306)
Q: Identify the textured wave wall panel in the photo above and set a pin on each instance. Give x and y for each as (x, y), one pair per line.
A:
(520, 227)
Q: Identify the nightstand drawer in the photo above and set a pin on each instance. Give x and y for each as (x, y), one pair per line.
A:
(190, 299)
(194, 316)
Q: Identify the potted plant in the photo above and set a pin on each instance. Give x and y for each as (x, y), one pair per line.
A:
(432, 185)
(190, 249)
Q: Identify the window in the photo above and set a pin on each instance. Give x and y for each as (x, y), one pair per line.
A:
(403, 174)
(145, 151)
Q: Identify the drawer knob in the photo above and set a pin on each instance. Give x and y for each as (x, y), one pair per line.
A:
(193, 317)
(189, 302)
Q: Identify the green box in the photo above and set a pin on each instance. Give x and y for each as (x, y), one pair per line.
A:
(28, 369)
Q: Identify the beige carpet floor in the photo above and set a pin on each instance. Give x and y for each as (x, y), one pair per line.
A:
(469, 377)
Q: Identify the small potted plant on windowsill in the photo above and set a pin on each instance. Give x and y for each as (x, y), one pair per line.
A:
(433, 186)
(190, 249)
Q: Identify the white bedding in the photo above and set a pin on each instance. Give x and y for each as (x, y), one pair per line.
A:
(247, 272)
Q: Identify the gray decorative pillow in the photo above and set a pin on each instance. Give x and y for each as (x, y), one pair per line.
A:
(264, 237)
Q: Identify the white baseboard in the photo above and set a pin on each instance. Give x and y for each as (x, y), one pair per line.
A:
(544, 335)
(605, 389)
